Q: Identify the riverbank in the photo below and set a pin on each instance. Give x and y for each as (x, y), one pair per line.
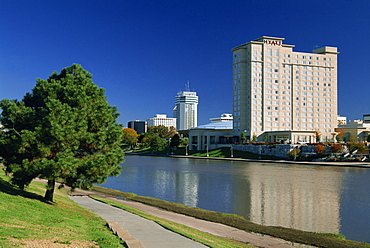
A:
(226, 225)
(341, 164)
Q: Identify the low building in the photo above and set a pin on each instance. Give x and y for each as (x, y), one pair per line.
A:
(342, 120)
(218, 133)
(161, 120)
(356, 130)
(291, 137)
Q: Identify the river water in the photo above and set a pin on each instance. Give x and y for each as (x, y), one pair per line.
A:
(307, 197)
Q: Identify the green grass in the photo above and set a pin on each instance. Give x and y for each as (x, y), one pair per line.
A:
(293, 235)
(199, 236)
(27, 219)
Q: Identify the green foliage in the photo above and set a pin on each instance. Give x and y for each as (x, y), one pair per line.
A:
(64, 129)
(152, 140)
(243, 137)
(254, 137)
(162, 131)
(353, 146)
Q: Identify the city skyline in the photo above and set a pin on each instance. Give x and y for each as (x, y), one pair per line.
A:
(143, 52)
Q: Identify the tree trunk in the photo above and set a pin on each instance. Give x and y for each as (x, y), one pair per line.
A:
(50, 190)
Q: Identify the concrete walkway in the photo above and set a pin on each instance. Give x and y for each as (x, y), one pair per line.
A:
(149, 233)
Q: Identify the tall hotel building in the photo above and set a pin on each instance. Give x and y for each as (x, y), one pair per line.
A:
(278, 92)
(186, 110)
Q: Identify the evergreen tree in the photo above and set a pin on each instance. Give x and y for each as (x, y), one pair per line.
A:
(175, 141)
(63, 130)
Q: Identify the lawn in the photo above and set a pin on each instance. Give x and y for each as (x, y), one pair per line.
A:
(28, 221)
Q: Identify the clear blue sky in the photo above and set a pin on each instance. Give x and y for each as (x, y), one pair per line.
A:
(144, 52)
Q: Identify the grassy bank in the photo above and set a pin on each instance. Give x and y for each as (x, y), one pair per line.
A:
(310, 238)
(28, 221)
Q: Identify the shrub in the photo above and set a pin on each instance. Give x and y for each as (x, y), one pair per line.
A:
(336, 147)
(320, 149)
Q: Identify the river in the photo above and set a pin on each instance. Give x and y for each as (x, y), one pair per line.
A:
(313, 198)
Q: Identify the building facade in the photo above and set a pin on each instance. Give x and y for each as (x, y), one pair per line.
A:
(139, 126)
(186, 110)
(218, 133)
(278, 89)
(161, 120)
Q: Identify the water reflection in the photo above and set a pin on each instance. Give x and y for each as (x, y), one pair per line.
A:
(312, 198)
(306, 199)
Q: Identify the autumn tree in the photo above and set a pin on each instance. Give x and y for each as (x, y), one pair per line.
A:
(63, 130)
(320, 149)
(129, 136)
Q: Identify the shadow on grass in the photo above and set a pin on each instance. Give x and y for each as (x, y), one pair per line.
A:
(8, 188)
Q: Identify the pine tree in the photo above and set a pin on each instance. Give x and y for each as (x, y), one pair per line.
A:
(64, 130)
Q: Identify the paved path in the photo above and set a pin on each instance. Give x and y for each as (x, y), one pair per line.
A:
(150, 234)
(147, 236)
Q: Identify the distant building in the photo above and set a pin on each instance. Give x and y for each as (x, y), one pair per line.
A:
(161, 120)
(366, 118)
(186, 110)
(276, 89)
(139, 126)
(342, 120)
(356, 130)
(218, 133)
(224, 117)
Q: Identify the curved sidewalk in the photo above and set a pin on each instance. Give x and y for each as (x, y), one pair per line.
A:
(141, 229)
(149, 233)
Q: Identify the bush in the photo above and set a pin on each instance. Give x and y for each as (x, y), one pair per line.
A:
(336, 147)
(320, 149)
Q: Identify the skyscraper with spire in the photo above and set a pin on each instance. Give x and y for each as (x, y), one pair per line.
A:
(186, 109)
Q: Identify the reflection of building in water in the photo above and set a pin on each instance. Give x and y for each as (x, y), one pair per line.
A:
(182, 187)
(187, 188)
(308, 200)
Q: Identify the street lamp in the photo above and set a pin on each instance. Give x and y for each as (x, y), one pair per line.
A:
(186, 150)
(231, 151)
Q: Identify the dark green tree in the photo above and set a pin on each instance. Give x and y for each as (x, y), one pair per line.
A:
(175, 141)
(63, 130)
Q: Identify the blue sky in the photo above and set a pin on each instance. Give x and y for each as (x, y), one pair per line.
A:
(144, 52)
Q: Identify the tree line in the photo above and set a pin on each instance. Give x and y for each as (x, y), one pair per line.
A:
(157, 138)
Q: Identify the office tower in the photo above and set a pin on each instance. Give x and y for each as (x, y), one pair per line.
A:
(161, 120)
(186, 110)
(139, 126)
(278, 89)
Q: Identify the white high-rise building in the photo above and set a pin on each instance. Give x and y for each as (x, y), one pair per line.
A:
(186, 110)
(277, 89)
(161, 120)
